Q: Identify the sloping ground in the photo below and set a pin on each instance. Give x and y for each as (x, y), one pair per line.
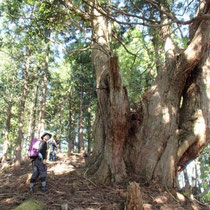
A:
(69, 186)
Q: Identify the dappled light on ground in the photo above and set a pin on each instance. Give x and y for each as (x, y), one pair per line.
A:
(69, 185)
(61, 169)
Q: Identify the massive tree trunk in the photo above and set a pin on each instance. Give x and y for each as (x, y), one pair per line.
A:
(170, 126)
(172, 123)
(111, 123)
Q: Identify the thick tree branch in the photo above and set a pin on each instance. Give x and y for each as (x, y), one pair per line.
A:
(185, 145)
(126, 49)
(193, 53)
(152, 22)
(71, 7)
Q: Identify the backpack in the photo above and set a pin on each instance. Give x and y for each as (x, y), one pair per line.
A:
(33, 149)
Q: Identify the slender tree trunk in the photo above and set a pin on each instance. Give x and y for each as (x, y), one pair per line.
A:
(41, 125)
(6, 136)
(188, 186)
(60, 125)
(81, 146)
(197, 180)
(34, 111)
(186, 178)
(89, 129)
(71, 129)
(42, 114)
(32, 117)
(21, 114)
(30, 122)
(71, 138)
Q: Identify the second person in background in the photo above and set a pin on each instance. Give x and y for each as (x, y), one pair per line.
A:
(53, 148)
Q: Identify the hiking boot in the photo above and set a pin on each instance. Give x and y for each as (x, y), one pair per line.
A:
(44, 189)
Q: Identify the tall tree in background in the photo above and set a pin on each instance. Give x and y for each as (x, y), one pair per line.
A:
(81, 146)
(33, 118)
(8, 96)
(45, 78)
(22, 109)
(6, 135)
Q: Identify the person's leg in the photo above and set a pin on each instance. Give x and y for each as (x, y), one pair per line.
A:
(50, 156)
(43, 175)
(34, 176)
(54, 153)
(51, 152)
(53, 156)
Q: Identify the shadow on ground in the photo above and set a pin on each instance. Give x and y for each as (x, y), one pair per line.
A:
(68, 185)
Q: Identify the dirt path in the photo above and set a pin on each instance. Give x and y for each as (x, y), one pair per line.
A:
(68, 185)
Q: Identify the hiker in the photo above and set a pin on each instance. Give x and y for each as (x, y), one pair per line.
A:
(39, 163)
(58, 142)
(53, 148)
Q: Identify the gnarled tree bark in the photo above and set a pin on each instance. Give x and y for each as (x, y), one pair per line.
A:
(111, 124)
(178, 98)
(171, 124)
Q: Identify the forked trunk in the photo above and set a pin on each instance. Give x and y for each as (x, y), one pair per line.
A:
(153, 141)
(171, 126)
(194, 132)
(111, 123)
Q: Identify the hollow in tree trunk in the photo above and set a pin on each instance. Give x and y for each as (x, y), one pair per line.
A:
(171, 124)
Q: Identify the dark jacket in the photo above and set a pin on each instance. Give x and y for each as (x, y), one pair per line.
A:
(43, 149)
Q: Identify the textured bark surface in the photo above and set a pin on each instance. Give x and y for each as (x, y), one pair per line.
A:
(21, 114)
(150, 142)
(42, 112)
(111, 125)
(6, 136)
(34, 114)
(134, 197)
(159, 144)
(194, 132)
(81, 145)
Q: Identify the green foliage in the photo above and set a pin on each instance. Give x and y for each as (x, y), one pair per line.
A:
(137, 74)
(204, 161)
(206, 197)
(67, 81)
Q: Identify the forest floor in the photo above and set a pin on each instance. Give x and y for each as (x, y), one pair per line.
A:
(68, 185)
